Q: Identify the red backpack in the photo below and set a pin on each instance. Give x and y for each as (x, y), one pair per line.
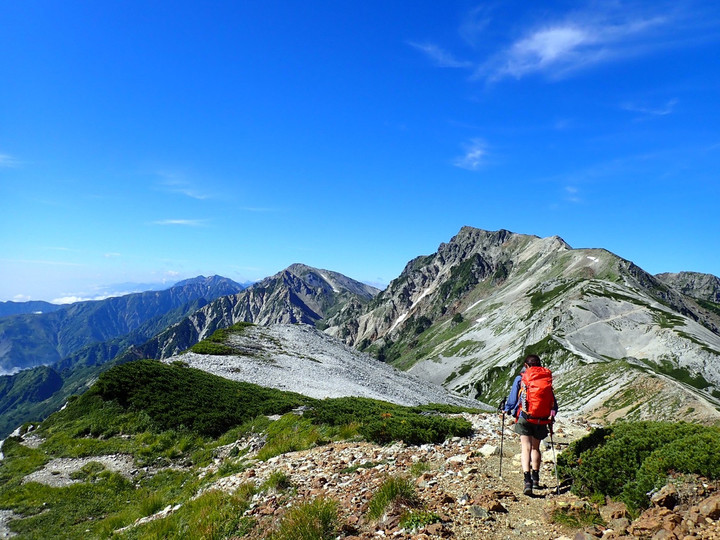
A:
(536, 395)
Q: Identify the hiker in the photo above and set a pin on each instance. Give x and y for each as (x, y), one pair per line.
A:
(532, 402)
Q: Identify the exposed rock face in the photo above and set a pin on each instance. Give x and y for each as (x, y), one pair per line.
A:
(701, 286)
(298, 294)
(620, 341)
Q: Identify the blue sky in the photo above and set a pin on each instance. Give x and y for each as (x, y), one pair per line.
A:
(155, 141)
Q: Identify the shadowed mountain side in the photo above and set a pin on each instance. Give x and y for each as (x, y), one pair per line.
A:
(43, 339)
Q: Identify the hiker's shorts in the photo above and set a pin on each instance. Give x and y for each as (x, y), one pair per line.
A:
(523, 427)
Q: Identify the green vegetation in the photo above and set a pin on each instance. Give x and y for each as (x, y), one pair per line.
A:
(394, 491)
(163, 415)
(576, 516)
(628, 460)
(417, 519)
(214, 514)
(383, 422)
(710, 306)
(679, 373)
(540, 298)
(217, 342)
(314, 520)
(667, 320)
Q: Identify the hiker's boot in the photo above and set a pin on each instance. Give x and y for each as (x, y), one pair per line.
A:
(527, 489)
(535, 479)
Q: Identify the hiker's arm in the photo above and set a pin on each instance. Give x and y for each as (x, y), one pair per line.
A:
(511, 403)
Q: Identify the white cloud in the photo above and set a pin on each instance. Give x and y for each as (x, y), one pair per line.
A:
(172, 183)
(572, 194)
(21, 298)
(183, 222)
(8, 161)
(474, 157)
(662, 110)
(111, 255)
(440, 57)
(561, 48)
(610, 32)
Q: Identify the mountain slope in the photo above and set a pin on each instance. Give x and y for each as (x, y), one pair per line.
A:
(298, 294)
(620, 341)
(41, 339)
(699, 286)
(300, 358)
(20, 308)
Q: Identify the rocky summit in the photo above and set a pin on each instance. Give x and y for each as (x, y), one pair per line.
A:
(621, 342)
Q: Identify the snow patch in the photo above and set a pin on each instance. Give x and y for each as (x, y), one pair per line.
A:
(331, 282)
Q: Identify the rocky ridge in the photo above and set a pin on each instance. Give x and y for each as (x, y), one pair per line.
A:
(298, 294)
(615, 336)
(696, 285)
(300, 358)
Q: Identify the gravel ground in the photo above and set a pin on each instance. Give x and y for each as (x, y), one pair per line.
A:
(301, 359)
(58, 472)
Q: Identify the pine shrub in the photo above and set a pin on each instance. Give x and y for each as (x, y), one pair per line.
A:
(628, 460)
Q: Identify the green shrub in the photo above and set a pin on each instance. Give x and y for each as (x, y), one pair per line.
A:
(576, 515)
(174, 397)
(414, 520)
(278, 481)
(395, 490)
(628, 460)
(210, 347)
(314, 520)
(383, 422)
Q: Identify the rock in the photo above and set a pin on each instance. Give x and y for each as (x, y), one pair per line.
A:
(479, 512)
(488, 450)
(619, 525)
(710, 507)
(496, 506)
(460, 458)
(667, 497)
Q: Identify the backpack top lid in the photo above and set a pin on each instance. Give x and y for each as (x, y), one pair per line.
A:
(536, 395)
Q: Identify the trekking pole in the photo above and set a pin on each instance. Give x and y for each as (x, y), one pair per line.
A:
(552, 443)
(502, 434)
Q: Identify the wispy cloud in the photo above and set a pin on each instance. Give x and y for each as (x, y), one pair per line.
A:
(440, 57)
(572, 194)
(182, 222)
(556, 46)
(112, 255)
(560, 48)
(7, 160)
(474, 157)
(173, 183)
(662, 110)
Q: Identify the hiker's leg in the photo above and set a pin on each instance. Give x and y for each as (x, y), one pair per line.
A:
(526, 444)
(535, 456)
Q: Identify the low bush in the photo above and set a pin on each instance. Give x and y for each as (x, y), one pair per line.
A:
(395, 490)
(175, 397)
(418, 519)
(383, 422)
(628, 460)
(314, 520)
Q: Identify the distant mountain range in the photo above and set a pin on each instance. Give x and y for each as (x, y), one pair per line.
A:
(30, 340)
(21, 308)
(621, 342)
